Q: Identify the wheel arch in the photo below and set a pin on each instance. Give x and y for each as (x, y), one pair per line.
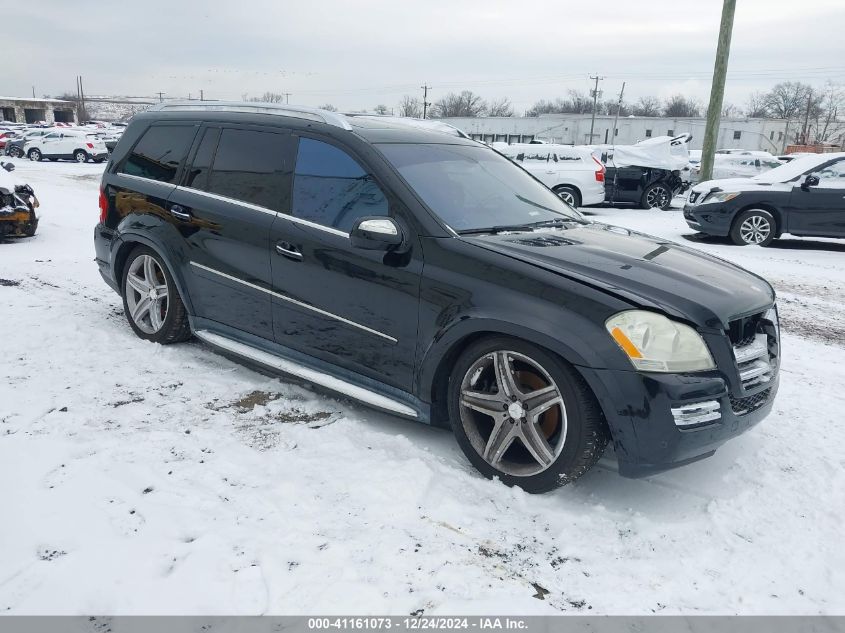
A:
(127, 243)
(435, 370)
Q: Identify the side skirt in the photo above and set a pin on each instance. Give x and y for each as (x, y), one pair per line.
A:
(356, 387)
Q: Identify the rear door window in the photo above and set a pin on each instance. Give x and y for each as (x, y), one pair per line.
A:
(330, 187)
(197, 176)
(159, 153)
(249, 166)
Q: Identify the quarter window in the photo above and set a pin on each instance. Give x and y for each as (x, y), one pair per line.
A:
(248, 166)
(159, 152)
(331, 188)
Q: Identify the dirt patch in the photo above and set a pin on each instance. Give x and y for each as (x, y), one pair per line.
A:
(9, 282)
(253, 399)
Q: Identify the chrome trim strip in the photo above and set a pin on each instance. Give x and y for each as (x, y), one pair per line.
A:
(258, 207)
(141, 178)
(311, 375)
(331, 315)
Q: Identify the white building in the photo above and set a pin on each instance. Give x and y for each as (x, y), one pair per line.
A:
(26, 110)
(574, 129)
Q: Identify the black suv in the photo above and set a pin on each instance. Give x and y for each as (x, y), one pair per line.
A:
(427, 275)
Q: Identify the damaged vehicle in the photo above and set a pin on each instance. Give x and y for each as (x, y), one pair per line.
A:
(17, 206)
(649, 173)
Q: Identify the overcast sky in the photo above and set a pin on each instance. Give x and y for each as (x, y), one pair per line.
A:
(363, 53)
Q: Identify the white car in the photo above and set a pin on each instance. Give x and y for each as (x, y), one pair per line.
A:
(573, 173)
(739, 164)
(70, 144)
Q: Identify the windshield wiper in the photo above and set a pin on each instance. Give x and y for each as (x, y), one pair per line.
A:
(497, 229)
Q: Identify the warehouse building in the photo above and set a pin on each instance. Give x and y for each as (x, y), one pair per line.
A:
(24, 110)
(574, 129)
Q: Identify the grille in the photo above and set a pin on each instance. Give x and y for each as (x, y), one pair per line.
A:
(742, 331)
(741, 406)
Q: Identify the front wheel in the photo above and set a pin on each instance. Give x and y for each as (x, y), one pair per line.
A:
(523, 415)
(80, 156)
(151, 301)
(656, 196)
(34, 154)
(755, 226)
(569, 195)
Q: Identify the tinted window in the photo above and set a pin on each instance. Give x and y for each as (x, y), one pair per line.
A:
(331, 188)
(248, 166)
(472, 187)
(198, 174)
(158, 154)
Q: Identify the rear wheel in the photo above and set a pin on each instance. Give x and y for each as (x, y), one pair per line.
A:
(656, 196)
(151, 301)
(523, 415)
(569, 195)
(34, 154)
(15, 152)
(80, 156)
(755, 226)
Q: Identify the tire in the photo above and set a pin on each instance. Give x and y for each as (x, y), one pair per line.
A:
(656, 196)
(34, 154)
(755, 226)
(569, 195)
(80, 156)
(15, 152)
(572, 427)
(99, 160)
(149, 324)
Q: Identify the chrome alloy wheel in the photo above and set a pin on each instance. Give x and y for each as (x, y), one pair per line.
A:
(755, 229)
(513, 413)
(147, 294)
(658, 197)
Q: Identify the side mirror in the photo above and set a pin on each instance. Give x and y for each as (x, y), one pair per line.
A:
(376, 233)
(810, 181)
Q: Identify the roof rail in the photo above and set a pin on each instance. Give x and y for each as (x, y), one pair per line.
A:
(298, 112)
(424, 124)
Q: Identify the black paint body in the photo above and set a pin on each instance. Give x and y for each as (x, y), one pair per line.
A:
(440, 293)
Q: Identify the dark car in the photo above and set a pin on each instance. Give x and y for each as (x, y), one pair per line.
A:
(647, 187)
(426, 275)
(805, 197)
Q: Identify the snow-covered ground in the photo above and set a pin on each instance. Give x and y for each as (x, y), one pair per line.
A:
(138, 478)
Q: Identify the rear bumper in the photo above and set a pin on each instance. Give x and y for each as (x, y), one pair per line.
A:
(103, 238)
(592, 195)
(647, 439)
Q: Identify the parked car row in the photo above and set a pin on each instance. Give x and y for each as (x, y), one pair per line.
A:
(78, 143)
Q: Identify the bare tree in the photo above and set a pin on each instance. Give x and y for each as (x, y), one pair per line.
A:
(755, 107)
(787, 100)
(829, 105)
(647, 106)
(681, 106)
(730, 111)
(500, 107)
(329, 107)
(381, 109)
(465, 104)
(269, 97)
(576, 103)
(410, 106)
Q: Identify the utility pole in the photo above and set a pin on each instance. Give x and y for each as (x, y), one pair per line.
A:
(287, 97)
(82, 112)
(805, 132)
(202, 96)
(717, 90)
(160, 96)
(595, 94)
(425, 89)
(618, 109)
(33, 92)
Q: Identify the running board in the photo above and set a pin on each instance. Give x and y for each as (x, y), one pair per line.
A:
(306, 373)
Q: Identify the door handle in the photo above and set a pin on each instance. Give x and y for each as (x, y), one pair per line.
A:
(180, 213)
(286, 249)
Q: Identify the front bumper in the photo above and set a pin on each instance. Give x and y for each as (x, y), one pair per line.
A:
(711, 218)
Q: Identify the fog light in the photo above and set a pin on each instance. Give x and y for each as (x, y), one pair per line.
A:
(696, 413)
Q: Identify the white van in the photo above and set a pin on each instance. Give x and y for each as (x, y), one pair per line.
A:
(571, 172)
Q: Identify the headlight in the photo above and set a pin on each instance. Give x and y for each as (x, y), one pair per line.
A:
(721, 196)
(772, 316)
(655, 343)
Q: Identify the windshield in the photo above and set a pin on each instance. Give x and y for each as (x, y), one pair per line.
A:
(792, 169)
(473, 187)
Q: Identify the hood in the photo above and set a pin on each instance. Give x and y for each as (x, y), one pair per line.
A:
(646, 271)
(742, 184)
